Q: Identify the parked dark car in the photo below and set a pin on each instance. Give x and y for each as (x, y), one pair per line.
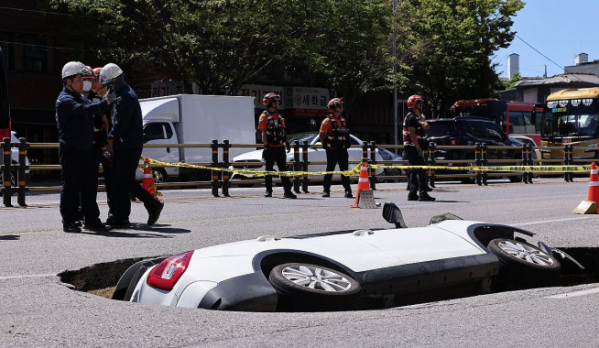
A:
(468, 130)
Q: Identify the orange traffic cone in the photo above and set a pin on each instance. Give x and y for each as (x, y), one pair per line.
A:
(363, 184)
(148, 180)
(590, 205)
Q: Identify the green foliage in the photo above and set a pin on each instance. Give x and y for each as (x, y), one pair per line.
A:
(442, 46)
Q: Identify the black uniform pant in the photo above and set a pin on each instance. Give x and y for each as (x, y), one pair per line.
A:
(334, 157)
(276, 155)
(79, 178)
(416, 177)
(124, 165)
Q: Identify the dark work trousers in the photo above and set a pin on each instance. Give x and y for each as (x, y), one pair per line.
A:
(276, 155)
(124, 165)
(79, 185)
(334, 157)
(108, 183)
(416, 177)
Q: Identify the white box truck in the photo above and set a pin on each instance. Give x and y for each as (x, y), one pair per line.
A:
(194, 119)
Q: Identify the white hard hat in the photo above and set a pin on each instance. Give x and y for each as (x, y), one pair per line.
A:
(109, 72)
(75, 68)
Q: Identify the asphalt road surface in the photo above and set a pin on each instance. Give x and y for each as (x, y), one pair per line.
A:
(37, 310)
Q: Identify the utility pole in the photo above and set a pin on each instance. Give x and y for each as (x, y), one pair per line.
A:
(395, 116)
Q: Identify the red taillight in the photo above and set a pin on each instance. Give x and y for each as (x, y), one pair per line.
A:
(167, 273)
(454, 141)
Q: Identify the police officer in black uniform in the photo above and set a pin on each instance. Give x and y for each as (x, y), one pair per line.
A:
(74, 117)
(125, 141)
(413, 136)
(335, 139)
(274, 137)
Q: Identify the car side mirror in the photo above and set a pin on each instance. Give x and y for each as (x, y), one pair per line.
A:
(392, 214)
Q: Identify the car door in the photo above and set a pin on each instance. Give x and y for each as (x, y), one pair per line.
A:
(161, 133)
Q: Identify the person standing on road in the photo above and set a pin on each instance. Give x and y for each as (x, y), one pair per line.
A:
(272, 126)
(74, 118)
(125, 142)
(335, 139)
(413, 136)
(101, 129)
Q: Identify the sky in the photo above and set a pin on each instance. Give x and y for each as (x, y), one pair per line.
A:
(558, 29)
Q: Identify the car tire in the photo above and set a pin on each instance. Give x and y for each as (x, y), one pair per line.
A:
(159, 175)
(13, 181)
(516, 178)
(308, 287)
(523, 262)
(128, 281)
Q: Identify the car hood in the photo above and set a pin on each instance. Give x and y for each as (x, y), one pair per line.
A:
(255, 155)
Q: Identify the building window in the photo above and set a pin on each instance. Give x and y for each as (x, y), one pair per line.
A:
(6, 45)
(35, 53)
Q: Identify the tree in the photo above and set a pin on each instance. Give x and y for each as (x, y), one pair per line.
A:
(449, 45)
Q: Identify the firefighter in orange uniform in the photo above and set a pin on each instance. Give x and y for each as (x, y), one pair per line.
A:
(274, 138)
(334, 137)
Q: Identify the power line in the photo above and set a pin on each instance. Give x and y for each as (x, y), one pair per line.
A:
(539, 52)
(43, 46)
(14, 9)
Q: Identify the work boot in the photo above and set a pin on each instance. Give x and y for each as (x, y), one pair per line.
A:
(155, 214)
(96, 227)
(268, 194)
(426, 198)
(71, 227)
(289, 194)
(348, 194)
(326, 194)
(412, 197)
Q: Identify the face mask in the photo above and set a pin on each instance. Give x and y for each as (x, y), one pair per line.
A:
(87, 86)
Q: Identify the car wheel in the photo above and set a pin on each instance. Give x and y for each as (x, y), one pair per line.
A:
(308, 287)
(517, 178)
(524, 262)
(128, 281)
(159, 175)
(12, 180)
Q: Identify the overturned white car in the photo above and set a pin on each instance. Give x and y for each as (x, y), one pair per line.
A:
(344, 270)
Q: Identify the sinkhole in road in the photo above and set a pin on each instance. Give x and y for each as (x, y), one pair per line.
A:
(100, 279)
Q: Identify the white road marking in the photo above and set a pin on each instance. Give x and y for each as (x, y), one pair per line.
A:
(28, 276)
(557, 220)
(575, 294)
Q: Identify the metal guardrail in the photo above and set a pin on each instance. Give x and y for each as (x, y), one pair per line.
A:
(221, 163)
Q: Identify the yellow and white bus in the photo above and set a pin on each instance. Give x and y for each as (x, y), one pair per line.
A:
(571, 116)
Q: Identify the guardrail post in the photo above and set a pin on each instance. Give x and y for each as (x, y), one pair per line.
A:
(214, 164)
(430, 160)
(305, 163)
(527, 176)
(372, 176)
(483, 156)
(225, 165)
(296, 166)
(7, 182)
(22, 178)
(568, 160)
(478, 162)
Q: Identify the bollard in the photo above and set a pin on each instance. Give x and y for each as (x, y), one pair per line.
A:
(568, 160)
(225, 164)
(478, 162)
(296, 166)
(21, 176)
(483, 156)
(432, 147)
(214, 164)
(6, 173)
(372, 176)
(305, 164)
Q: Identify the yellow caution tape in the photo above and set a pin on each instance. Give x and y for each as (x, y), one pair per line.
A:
(251, 173)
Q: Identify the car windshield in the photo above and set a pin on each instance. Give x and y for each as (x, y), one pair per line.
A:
(309, 136)
(440, 129)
